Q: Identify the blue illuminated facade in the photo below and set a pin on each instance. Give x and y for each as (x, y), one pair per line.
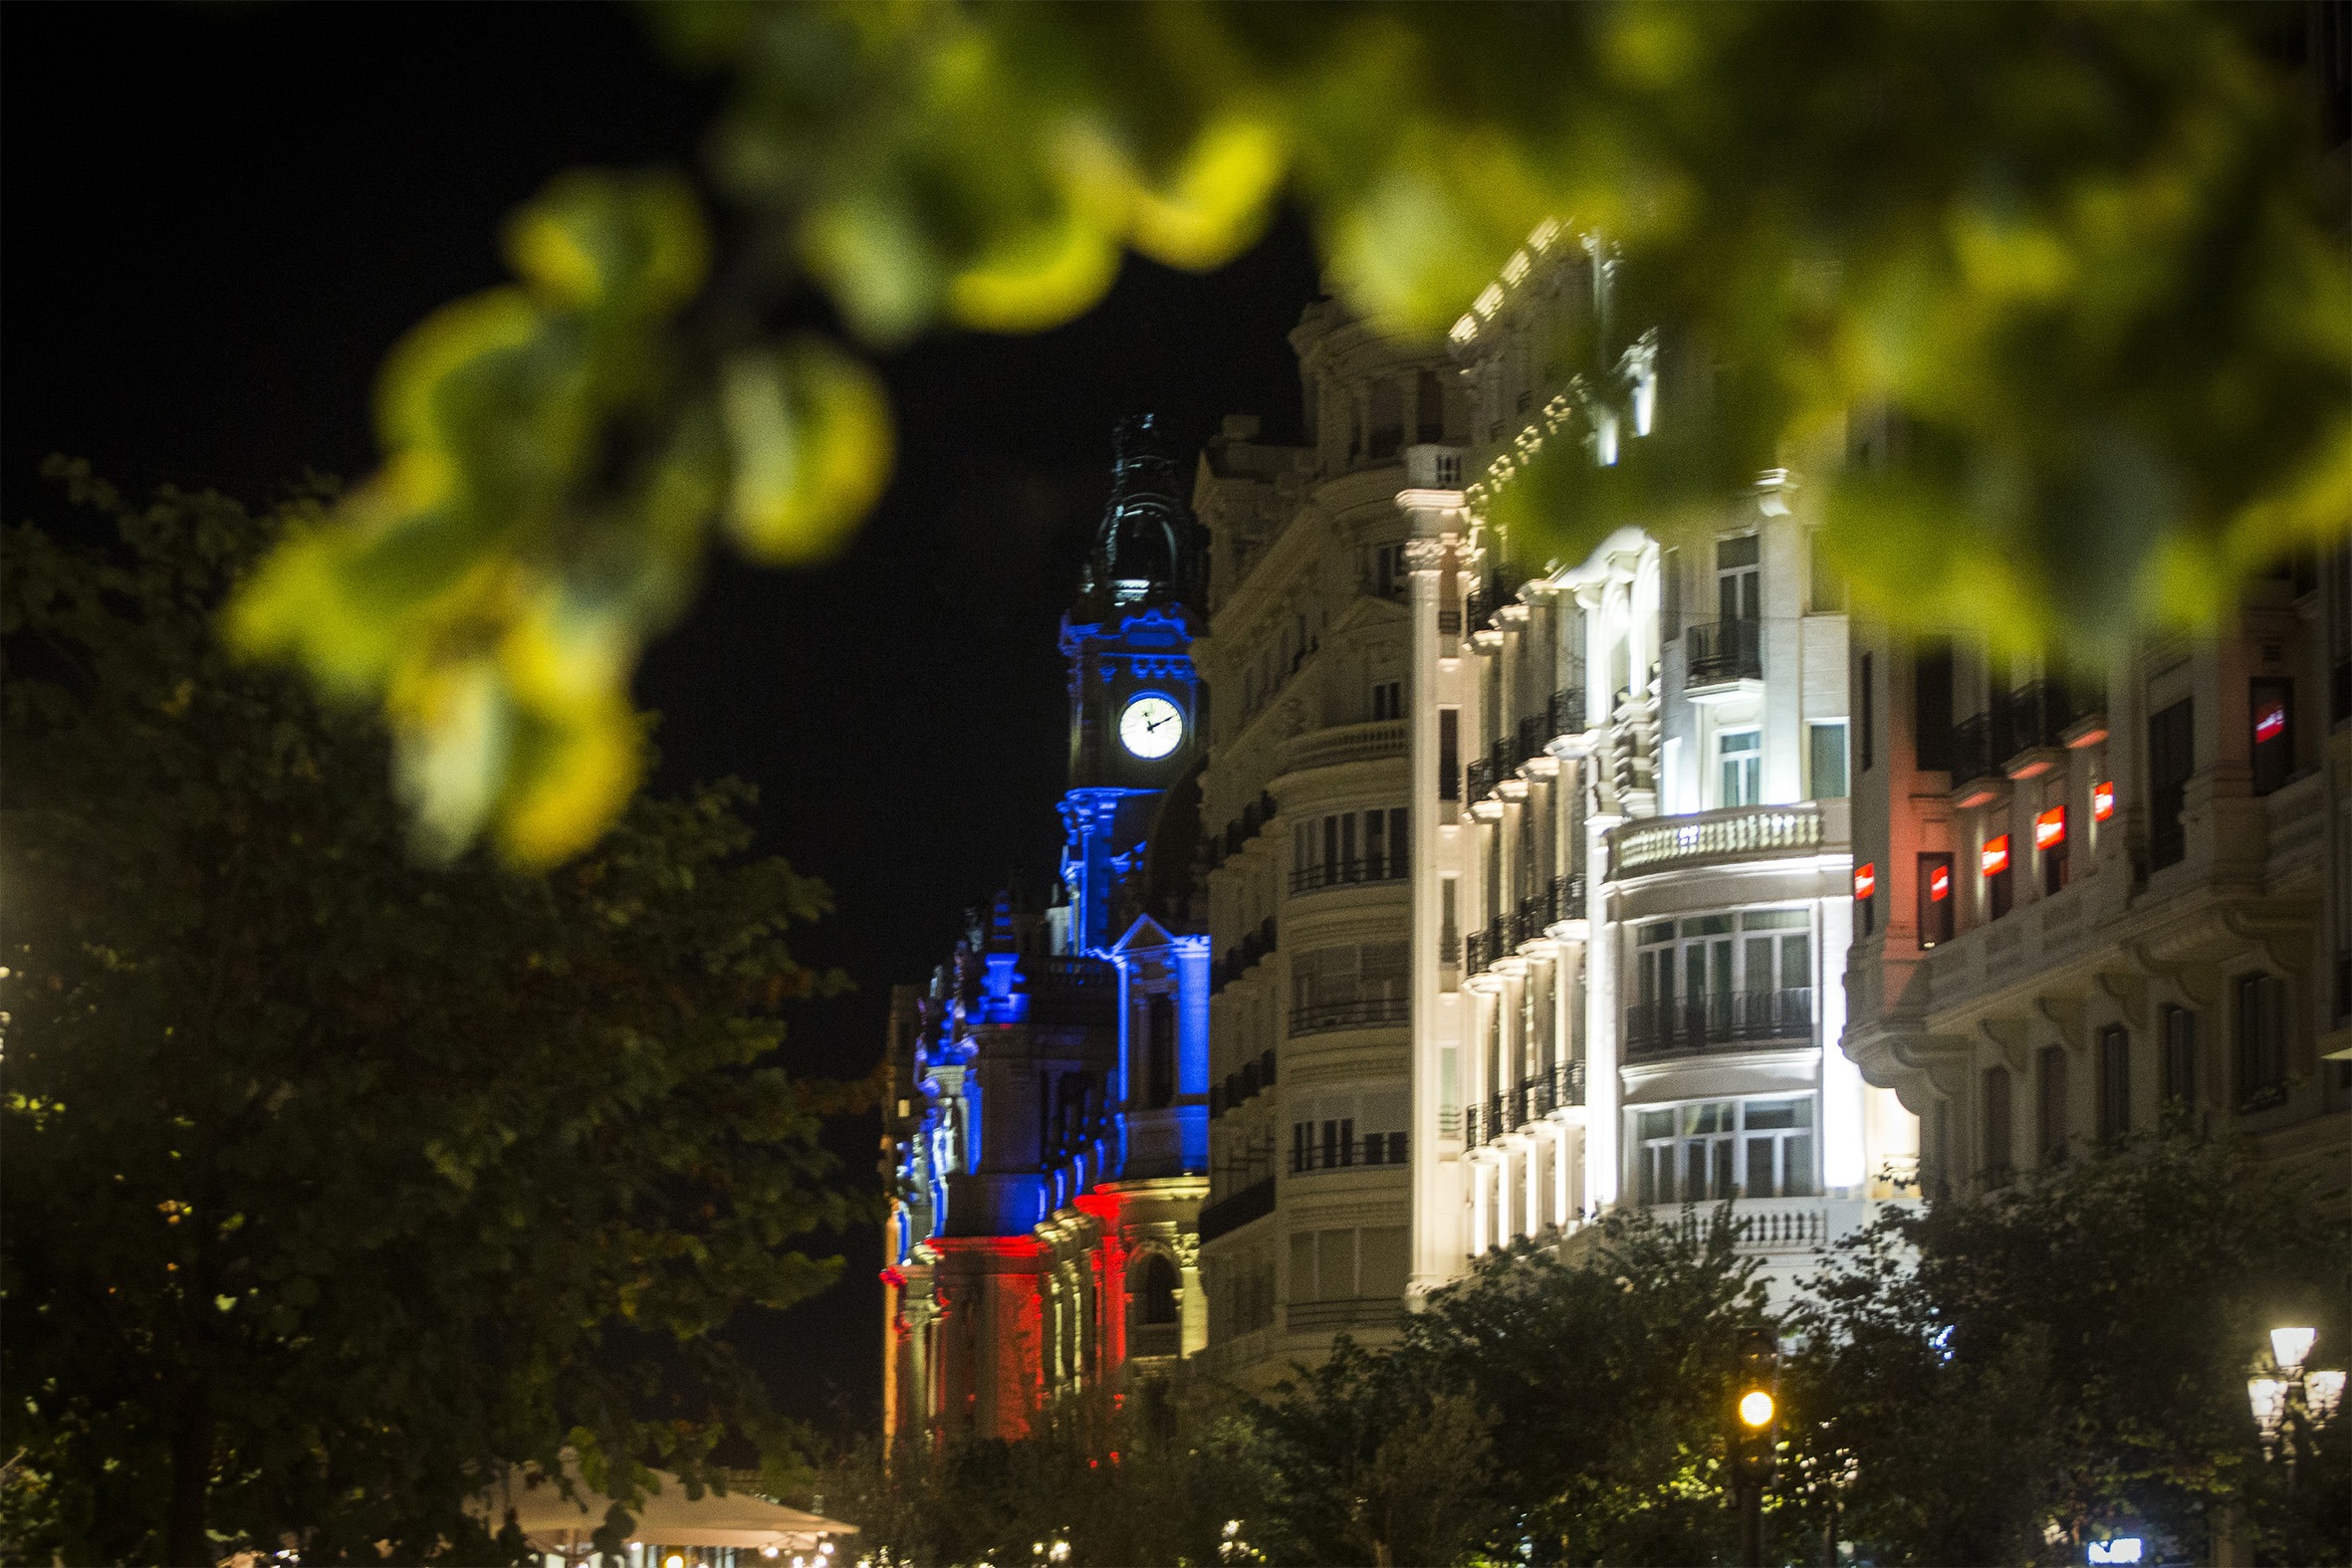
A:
(1047, 1132)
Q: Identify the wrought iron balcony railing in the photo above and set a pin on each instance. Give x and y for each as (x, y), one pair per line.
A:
(1348, 874)
(1718, 652)
(1356, 1012)
(1683, 1028)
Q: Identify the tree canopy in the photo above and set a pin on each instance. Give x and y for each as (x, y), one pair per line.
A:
(2003, 1378)
(334, 1183)
(2086, 255)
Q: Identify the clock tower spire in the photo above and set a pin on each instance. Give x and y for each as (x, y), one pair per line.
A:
(1136, 703)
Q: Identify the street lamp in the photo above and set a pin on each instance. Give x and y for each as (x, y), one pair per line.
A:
(2286, 1396)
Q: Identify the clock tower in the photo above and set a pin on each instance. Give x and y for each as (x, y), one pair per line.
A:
(1135, 702)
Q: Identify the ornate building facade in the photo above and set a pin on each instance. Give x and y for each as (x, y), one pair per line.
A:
(1048, 1128)
(1497, 890)
(2098, 896)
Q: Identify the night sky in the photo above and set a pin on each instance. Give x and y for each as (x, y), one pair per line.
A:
(217, 220)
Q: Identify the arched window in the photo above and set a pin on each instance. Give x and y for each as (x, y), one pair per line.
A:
(1151, 1290)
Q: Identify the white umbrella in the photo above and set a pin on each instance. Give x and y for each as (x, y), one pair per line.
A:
(557, 1523)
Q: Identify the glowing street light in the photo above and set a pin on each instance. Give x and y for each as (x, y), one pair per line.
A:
(2287, 1399)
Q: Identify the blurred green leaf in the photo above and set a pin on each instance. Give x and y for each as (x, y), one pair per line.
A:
(2086, 255)
(810, 428)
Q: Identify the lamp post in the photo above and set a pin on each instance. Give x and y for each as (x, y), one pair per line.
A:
(2287, 1399)
(1755, 1428)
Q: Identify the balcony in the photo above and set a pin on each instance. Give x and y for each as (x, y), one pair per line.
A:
(1722, 653)
(1500, 764)
(1358, 1013)
(1742, 1018)
(1531, 1101)
(1231, 1213)
(1740, 832)
(1252, 949)
(1769, 1224)
(2018, 737)
(1068, 990)
(1568, 707)
(1342, 744)
(1478, 950)
(1366, 1313)
(1349, 873)
(1372, 1150)
(1154, 1339)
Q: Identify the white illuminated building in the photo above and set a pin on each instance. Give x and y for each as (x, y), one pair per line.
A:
(1633, 895)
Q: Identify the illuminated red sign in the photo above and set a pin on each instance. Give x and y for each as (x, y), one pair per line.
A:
(1865, 880)
(1995, 856)
(2270, 720)
(1939, 884)
(2103, 800)
(2049, 828)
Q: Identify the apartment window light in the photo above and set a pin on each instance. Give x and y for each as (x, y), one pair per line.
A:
(1741, 756)
(1993, 861)
(1828, 759)
(1936, 922)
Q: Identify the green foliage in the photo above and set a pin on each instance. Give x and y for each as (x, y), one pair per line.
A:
(334, 1183)
(2075, 1351)
(1114, 1490)
(1609, 1373)
(2095, 276)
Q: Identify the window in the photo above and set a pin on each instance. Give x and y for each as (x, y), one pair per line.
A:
(1449, 754)
(2115, 1083)
(1388, 700)
(2179, 1028)
(1714, 979)
(1670, 592)
(1153, 1286)
(1995, 1111)
(2261, 1042)
(1160, 1049)
(1429, 412)
(1994, 861)
(1342, 988)
(1936, 922)
(1830, 584)
(2171, 758)
(1389, 578)
(1931, 706)
(1741, 753)
(1828, 759)
(1339, 1129)
(1448, 930)
(1324, 851)
(1721, 1148)
(1388, 420)
(1866, 714)
(1737, 578)
(2271, 711)
(2050, 1119)
(2049, 846)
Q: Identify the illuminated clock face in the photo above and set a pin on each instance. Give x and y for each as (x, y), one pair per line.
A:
(1151, 727)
